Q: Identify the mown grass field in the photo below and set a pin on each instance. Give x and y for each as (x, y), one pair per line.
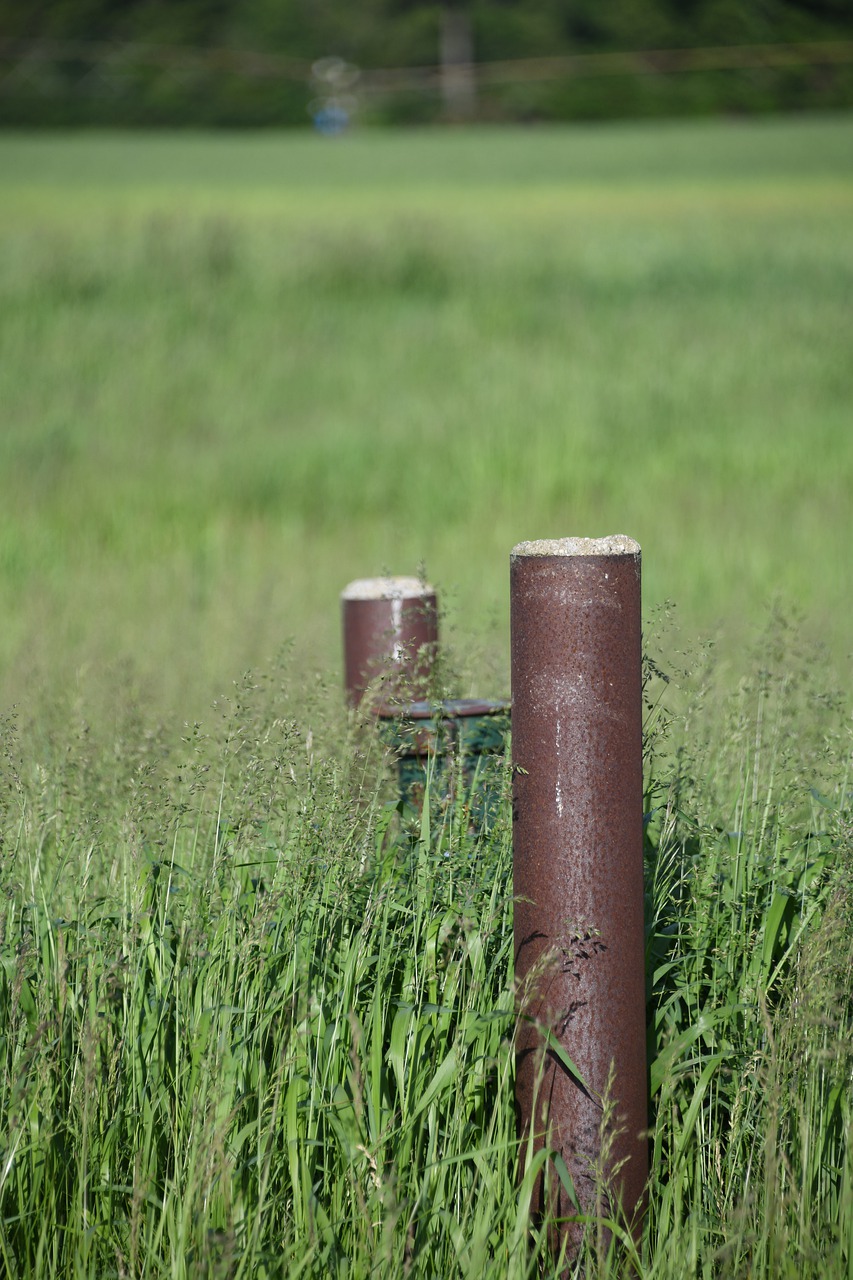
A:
(252, 1021)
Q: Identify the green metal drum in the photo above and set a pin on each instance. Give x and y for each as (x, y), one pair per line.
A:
(459, 744)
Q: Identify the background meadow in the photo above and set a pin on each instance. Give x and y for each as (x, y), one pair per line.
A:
(254, 1020)
(239, 371)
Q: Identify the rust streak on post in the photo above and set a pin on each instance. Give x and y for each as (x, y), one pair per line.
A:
(390, 638)
(578, 859)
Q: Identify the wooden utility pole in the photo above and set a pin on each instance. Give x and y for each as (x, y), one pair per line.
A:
(456, 55)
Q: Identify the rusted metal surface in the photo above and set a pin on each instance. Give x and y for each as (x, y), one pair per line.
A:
(390, 638)
(578, 863)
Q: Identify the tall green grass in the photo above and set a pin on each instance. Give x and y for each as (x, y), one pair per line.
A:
(254, 1023)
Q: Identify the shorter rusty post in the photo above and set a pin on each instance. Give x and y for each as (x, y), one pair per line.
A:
(578, 867)
(390, 638)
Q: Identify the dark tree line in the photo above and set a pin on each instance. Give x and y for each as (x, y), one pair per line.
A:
(378, 33)
(63, 76)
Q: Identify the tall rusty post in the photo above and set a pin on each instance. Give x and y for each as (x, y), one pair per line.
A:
(390, 638)
(578, 866)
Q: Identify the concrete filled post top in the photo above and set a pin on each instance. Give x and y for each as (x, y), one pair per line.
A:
(615, 544)
(398, 588)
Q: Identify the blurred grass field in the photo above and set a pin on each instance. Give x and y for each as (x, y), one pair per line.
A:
(238, 371)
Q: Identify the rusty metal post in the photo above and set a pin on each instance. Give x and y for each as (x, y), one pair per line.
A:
(578, 865)
(390, 638)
